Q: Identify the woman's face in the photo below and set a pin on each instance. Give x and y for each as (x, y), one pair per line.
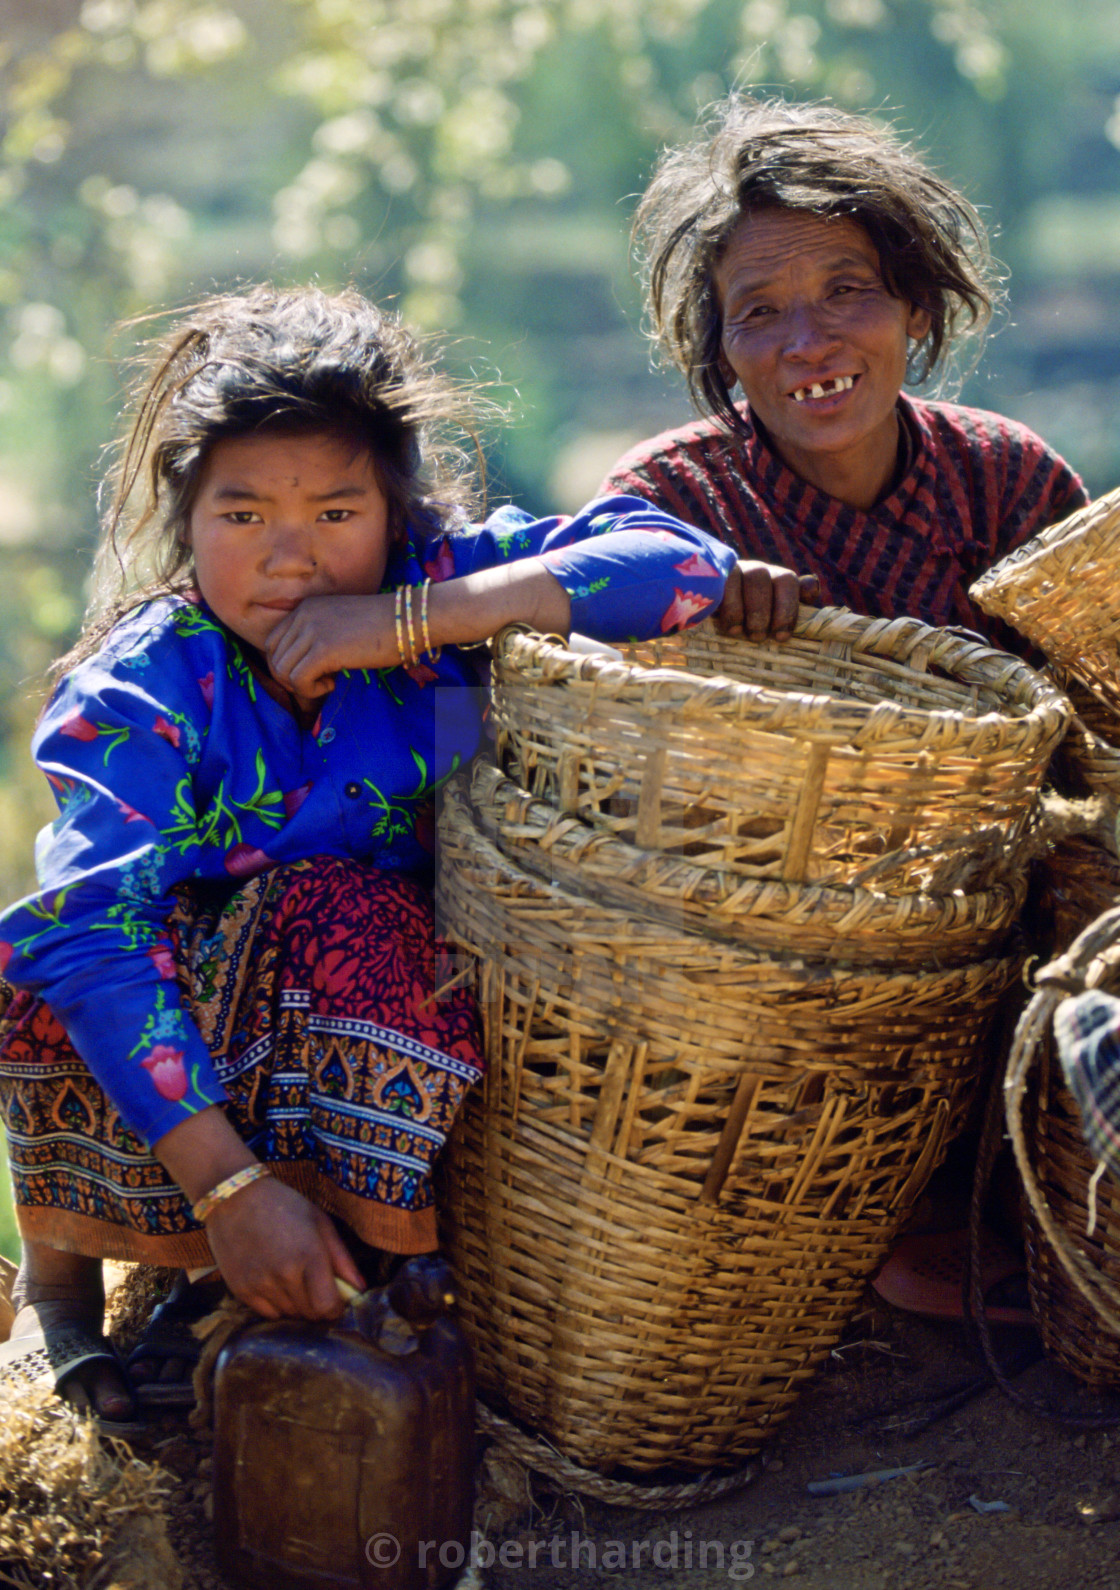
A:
(278, 518)
(818, 345)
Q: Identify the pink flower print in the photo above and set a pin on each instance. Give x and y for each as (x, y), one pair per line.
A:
(166, 731)
(162, 958)
(6, 953)
(294, 799)
(245, 861)
(696, 565)
(206, 685)
(78, 728)
(421, 673)
(165, 1067)
(442, 565)
(130, 814)
(683, 609)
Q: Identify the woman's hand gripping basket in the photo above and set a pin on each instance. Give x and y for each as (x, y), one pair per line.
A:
(860, 753)
(687, 1159)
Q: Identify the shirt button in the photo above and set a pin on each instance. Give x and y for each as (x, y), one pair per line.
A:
(326, 737)
(353, 790)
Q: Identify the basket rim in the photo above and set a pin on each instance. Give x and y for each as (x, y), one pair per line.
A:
(1102, 514)
(966, 661)
(1090, 959)
(458, 816)
(841, 899)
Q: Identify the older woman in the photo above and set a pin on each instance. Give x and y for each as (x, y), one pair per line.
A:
(809, 258)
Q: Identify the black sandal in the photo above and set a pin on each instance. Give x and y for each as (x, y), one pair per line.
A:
(168, 1336)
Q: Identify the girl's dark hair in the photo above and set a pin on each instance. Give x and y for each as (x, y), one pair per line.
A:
(269, 361)
(768, 154)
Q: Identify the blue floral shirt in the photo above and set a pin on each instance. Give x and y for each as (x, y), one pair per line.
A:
(169, 762)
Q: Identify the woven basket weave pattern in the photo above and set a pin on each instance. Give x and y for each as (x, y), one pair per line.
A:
(1081, 883)
(855, 926)
(688, 1159)
(859, 750)
(1090, 752)
(1062, 591)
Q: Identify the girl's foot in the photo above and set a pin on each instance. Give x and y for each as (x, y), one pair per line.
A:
(66, 1323)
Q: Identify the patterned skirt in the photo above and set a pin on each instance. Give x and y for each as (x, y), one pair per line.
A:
(339, 1030)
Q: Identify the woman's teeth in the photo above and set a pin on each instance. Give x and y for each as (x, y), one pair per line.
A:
(819, 389)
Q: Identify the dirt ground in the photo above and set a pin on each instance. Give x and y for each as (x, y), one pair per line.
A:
(876, 1406)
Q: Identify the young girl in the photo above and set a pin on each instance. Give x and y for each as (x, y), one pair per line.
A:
(227, 1035)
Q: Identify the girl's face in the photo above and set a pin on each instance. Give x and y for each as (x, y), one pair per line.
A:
(278, 518)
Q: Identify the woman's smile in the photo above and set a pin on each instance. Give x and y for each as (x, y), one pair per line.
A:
(819, 346)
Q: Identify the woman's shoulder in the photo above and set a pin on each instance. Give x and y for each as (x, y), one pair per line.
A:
(960, 425)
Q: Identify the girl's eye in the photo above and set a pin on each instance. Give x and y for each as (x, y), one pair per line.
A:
(242, 516)
(337, 515)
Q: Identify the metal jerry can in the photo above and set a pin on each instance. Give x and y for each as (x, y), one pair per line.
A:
(344, 1453)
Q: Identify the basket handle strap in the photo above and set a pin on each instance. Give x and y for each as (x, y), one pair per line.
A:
(1100, 1292)
(1030, 1028)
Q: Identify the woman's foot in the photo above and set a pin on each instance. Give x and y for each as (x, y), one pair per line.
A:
(59, 1301)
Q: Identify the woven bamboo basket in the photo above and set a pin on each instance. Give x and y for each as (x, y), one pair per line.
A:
(851, 926)
(1090, 753)
(861, 752)
(685, 1161)
(1062, 591)
(1073, 1275)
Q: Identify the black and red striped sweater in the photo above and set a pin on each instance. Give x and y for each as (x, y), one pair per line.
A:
(975, 486)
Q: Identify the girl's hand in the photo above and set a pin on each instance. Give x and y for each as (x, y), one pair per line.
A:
(327, 633)
(280, 1254)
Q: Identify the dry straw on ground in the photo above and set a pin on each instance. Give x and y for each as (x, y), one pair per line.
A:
(82, 1504)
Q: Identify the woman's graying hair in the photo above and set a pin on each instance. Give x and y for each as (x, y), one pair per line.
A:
(274, 361)
(763, 155)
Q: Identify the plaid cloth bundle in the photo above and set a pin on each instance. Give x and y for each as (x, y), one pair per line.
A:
(1087, 1029)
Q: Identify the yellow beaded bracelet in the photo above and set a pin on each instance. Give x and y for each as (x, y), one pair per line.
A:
(433, 652)
(226, 1189)
(410, 658)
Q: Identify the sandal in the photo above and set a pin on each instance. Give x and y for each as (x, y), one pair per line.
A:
(168, 1336)
(925, 1275)
(52, 1355)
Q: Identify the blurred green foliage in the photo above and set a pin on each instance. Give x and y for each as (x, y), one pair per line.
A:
(477, 161)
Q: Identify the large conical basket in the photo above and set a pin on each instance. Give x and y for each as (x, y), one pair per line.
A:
(685, 1161)
(860, 753)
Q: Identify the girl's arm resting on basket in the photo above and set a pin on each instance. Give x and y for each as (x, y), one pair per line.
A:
(619, 570)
